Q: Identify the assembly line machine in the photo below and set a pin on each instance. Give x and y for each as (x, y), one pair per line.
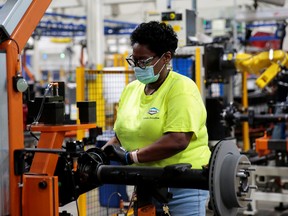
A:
(36, 191)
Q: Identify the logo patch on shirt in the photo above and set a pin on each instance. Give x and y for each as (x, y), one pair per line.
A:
(153, 111)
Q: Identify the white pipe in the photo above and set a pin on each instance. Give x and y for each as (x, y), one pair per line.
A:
(36, 60)
(100, 37)
(95, 33)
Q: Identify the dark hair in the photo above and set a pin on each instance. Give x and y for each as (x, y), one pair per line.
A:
(158, 37)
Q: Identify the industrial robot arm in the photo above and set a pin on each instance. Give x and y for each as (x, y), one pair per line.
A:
(266, 64)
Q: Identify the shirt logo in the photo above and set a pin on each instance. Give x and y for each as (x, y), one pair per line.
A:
(153, 111)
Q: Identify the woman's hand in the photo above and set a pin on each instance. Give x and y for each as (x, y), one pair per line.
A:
(118, 153)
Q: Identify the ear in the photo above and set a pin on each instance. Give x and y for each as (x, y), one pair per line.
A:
(167, 57)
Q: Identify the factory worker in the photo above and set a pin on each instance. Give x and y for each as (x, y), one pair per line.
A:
(161, 119)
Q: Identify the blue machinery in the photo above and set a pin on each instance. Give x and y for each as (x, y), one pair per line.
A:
(69, 29)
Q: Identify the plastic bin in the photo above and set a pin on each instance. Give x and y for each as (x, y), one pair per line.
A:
(110, 194)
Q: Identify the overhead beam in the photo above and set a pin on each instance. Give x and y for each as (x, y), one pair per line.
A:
(264, 15)
(66, 4)
(79, 3)
(108, 2)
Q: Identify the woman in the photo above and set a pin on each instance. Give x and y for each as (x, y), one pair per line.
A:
(161, 118)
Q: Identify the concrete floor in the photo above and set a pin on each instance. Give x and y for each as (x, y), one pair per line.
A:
(264, 209)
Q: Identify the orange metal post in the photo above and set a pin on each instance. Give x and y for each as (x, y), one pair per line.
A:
(40, 193)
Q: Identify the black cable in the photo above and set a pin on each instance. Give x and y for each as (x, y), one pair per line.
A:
(40, 111)
(18, 49)
(18, 52)
(33, 135)
(42, 102)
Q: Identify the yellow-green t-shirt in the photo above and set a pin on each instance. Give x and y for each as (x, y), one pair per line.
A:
(176, 106)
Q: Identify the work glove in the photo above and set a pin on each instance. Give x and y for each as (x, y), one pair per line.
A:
(118, 153)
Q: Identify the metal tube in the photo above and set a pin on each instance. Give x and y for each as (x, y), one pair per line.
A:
(267, 117)
(190, 178)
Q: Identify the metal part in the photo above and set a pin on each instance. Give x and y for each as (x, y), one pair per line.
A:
(270, 181)
(10, 16)
(4, 150)
(274, 2)
(232, 116)
(168, 176)
(219, 64)
(227, 176)
(229, 179)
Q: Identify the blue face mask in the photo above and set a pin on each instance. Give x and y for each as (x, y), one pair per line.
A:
(147, 75)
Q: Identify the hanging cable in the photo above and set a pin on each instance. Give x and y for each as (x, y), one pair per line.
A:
(36, 120)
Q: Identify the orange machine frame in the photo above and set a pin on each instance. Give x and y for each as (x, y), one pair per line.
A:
(40, 183)
(20, 35)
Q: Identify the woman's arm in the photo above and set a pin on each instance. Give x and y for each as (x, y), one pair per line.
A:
(168, 145)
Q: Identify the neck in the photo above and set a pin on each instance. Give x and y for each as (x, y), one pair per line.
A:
(153, 87)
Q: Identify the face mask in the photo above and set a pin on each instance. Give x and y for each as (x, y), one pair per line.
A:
(147, 75)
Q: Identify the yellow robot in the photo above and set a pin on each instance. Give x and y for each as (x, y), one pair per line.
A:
(266, 64)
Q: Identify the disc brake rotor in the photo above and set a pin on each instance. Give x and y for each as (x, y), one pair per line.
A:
(229, 182)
